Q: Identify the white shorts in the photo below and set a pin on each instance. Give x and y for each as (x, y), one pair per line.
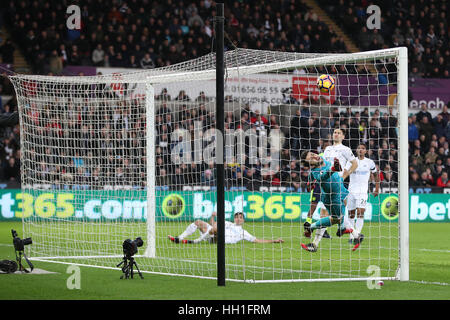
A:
(357, 200)
(209, 238)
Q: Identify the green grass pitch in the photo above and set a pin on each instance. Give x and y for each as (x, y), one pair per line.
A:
(429, 268)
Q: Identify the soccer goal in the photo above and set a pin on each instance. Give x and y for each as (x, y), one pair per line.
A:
(114, 157)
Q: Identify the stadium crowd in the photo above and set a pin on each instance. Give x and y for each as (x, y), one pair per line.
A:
(428, 146)
(420, 25)
(148, 34)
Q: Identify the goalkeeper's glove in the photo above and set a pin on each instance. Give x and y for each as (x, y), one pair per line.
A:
(311, 185)
(336, 165)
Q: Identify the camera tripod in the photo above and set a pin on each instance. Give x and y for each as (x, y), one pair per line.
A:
(19, 262)
(128, 263)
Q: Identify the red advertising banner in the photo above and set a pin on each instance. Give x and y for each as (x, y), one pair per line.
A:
(305, 88)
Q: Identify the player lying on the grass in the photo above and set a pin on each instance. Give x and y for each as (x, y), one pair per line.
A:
(359, 188)
(234, 232)
(333, 196)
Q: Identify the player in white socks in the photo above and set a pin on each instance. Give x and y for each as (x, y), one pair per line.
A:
(346, 160)
(234, 232)
(358, 189)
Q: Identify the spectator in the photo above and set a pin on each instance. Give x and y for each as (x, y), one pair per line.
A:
(182, 96)
(195, 21)
(163, 96)
(426, 129)
(162, 179)
(313, 133)
(439, 125)
(417, 156)
(431, 156)
(437, 173)
(251, 182)
(325, 131)
(12, 170)
(98, 56)
(244, 123)
(427, 179)
(178, 178)
(7, 51)
(147, 62)
(202, 97)
(132, 63)
(444, 114)
(56, 63)
(414, 180)
(413, 131)
(424, 113)
(388, 181)
(443, 181)
(259, 121)
(276, 139)
(294, 180)
(364, 38)
(295, 126)
(208, 178)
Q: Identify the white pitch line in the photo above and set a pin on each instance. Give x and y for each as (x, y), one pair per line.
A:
(428, 282)
(432, 250)
(5, 245)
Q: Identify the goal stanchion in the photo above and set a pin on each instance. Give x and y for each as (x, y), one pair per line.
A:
(113, 157)
(219, 37)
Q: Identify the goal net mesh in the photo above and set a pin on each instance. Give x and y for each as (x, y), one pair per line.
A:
(85, 145)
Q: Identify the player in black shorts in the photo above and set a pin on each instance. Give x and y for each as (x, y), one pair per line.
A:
(314, 200)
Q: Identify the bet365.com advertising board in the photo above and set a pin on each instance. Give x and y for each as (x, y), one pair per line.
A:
(189, 205)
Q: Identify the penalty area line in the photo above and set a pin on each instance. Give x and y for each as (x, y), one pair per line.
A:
(432, 250)
(429, 282)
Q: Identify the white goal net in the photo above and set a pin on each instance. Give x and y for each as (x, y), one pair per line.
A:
(114, 157)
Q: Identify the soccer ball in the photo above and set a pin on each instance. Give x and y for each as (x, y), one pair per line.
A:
(389, 207)
(325, 83)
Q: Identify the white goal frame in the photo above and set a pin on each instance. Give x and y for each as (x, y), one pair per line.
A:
(402, 90)
(152, 79)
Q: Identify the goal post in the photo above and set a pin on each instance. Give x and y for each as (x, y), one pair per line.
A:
(151, 175)
(112, 157)
(404, 164)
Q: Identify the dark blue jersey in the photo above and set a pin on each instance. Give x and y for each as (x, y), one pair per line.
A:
(333, 191)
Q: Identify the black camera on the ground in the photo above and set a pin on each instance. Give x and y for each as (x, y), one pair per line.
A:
(19, 244)
(130, 247)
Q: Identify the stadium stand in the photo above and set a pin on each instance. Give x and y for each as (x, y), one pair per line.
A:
(151, 34)
(420, 25)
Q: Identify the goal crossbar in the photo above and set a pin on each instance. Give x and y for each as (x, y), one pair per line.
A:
(156, 77)
(301, 63)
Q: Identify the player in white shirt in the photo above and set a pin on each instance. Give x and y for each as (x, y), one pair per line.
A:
(346, 160)
(343, 153)
(359, 188)
(234, 232)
